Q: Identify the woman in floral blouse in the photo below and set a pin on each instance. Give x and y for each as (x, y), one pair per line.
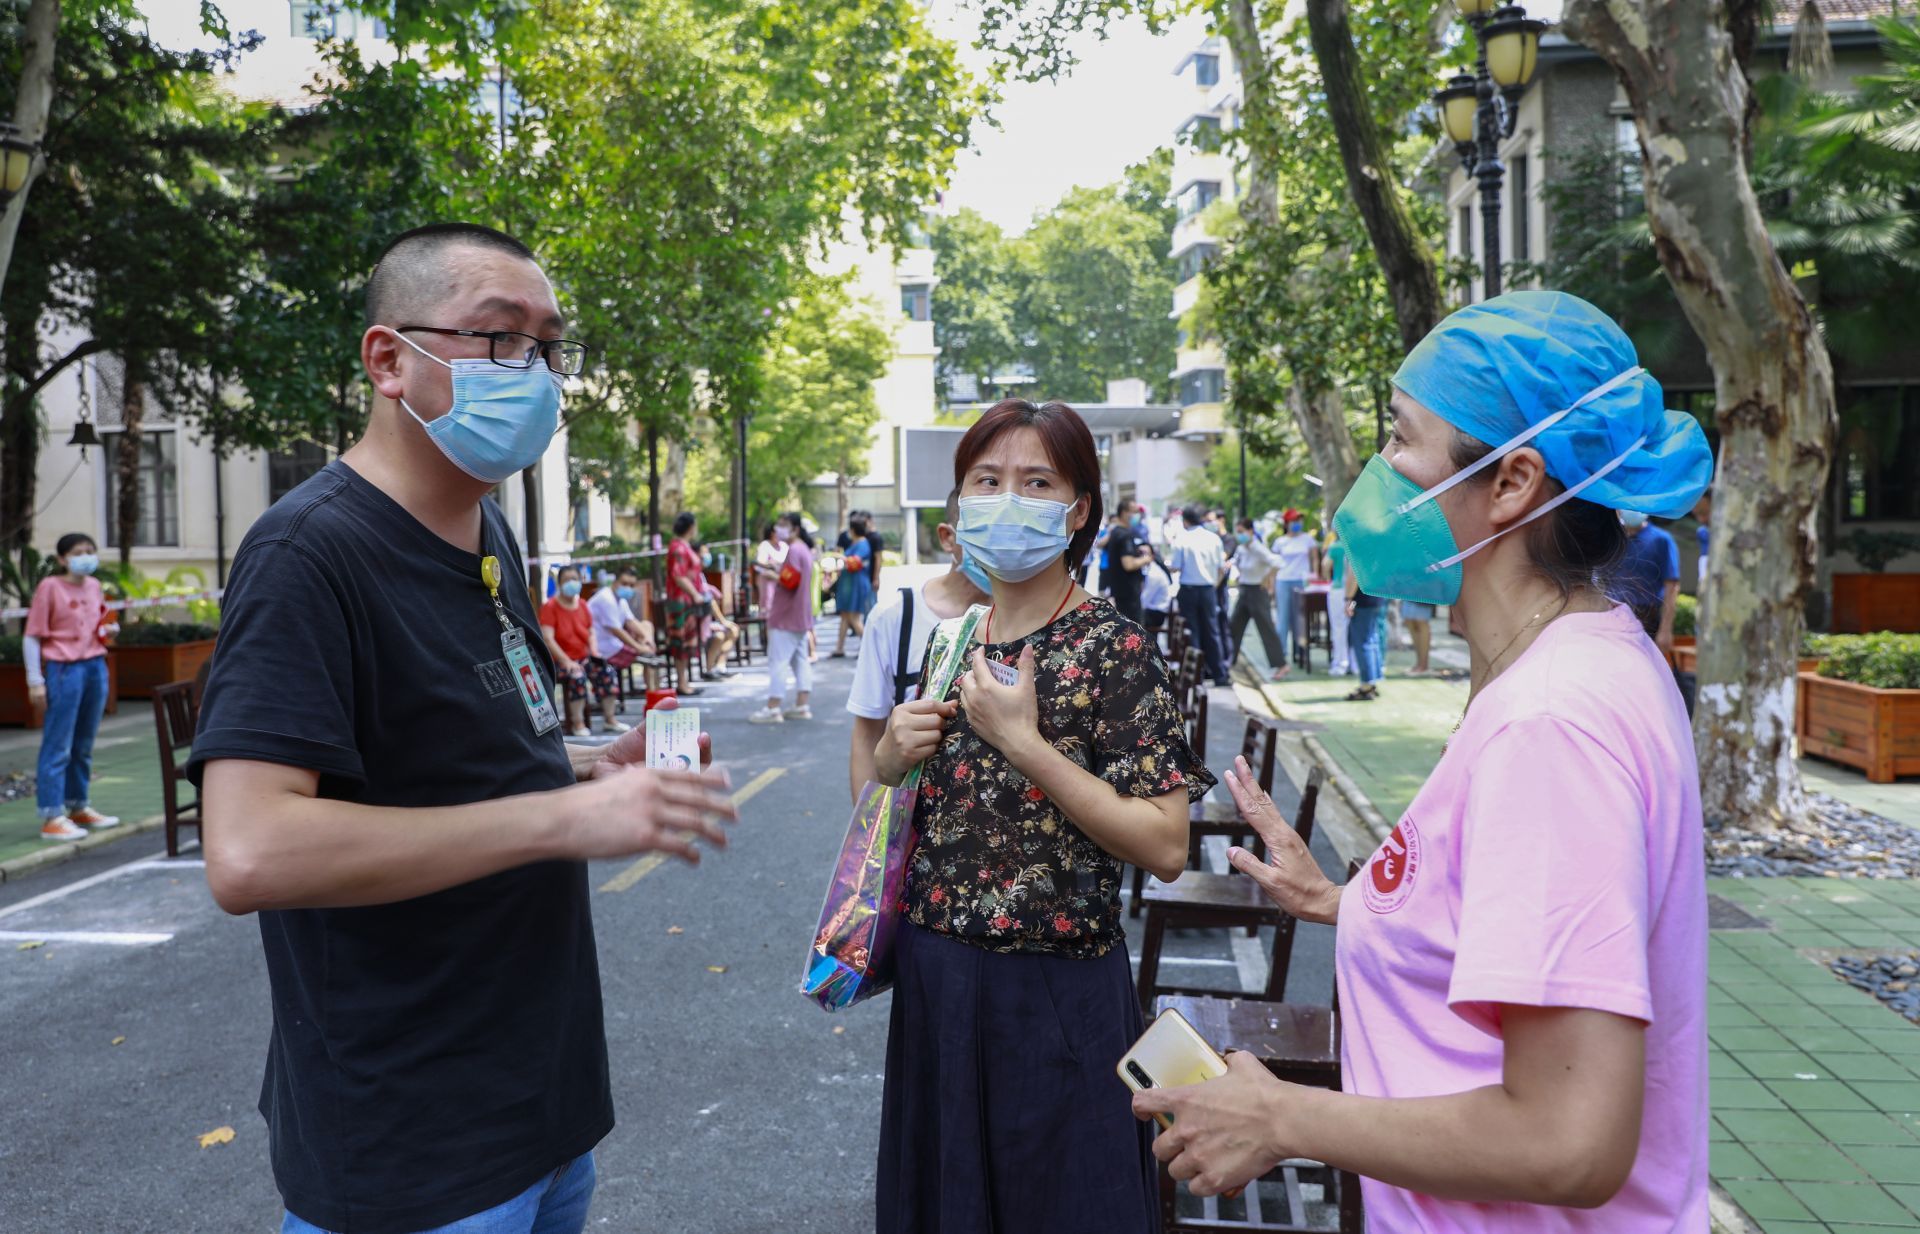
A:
(1014, 998)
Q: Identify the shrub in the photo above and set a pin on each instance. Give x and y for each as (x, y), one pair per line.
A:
(1886, 661)
(10, 649)
(1686, 615)
(163, 633)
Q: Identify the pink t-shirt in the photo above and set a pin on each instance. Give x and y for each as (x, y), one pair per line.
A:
(792, 611)
(1552, 859)
(66, 619)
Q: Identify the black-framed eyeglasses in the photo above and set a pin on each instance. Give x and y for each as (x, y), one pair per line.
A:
(510, 349)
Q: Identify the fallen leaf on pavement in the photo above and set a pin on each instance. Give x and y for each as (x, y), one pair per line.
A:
(839, 1030)
(38, 942)
(116, 1041)
(219, 1135)
(675, 930)
(716, 968)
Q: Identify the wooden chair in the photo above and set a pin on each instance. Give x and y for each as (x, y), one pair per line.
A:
(176, 709)
(1259, 742)
(1299, 1043)
(1199, 900)
(751, 625)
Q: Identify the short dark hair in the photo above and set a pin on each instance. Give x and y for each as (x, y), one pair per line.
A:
(1069, 446)
(1581, 544)
(567, 567)
(405, 274)
(627, 571)
(72, 540)
(1193, 516)
(1243, 521)
(683, 522)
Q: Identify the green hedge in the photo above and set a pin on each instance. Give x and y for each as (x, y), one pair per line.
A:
(1887, 661)
(163, 633)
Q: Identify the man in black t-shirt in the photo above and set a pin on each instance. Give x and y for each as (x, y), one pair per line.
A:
(1126, 557)
(385, 784)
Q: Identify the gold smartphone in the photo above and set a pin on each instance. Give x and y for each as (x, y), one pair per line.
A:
(1169, 1054)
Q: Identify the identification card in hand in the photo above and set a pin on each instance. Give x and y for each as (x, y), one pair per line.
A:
(529, 685)
(673, 738)
(1005, 674)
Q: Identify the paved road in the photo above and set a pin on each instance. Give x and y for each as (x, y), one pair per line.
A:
(742, 1107)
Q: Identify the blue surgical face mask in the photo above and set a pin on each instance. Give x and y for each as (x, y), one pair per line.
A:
(83, 563)
(1013, 537)
(975, 575)
(1399, 543)
(501, 420)
(623, 592)
(570, 588)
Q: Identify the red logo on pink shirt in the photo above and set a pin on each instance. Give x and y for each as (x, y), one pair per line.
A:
(1388, 881)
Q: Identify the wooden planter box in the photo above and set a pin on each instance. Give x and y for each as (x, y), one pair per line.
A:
(145, 669)
(1864, 603)
(16, 711)
(1877, 731)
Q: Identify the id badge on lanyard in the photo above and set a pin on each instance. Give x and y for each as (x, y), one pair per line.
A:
(528, 684)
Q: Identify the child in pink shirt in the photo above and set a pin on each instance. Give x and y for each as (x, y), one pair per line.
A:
(64, 628)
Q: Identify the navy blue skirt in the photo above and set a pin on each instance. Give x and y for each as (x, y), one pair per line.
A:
(1002, 1113)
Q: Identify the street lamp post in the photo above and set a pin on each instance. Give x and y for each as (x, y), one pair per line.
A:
(1480, 109)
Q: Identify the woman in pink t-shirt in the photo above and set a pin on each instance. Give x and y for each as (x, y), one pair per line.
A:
(66, 629)
(1522, 964)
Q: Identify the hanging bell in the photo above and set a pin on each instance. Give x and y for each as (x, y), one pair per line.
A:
(84, 436)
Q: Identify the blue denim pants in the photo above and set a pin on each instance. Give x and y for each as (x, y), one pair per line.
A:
(76, 697)
(1367, 636)
(557, 1204)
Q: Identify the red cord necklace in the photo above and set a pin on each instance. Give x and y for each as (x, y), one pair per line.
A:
(1043, 625)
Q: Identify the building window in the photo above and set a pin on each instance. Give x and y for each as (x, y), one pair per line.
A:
(1206, 70)
(1207, 385)
(1196, 197)
(1522, 218)
(916, 301)
(1879, 468)
(157, 522)
(288, 469)
(1202, 132)
(1194, 260)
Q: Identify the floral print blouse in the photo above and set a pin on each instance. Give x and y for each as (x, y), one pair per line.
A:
(998, 865)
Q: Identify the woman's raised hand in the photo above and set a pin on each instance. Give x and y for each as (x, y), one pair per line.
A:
(913, 732)
(1290, 876)
(1006, 717)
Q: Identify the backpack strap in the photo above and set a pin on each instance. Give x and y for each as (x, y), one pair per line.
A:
(902, 679)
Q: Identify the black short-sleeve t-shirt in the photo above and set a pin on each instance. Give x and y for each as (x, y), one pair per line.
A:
(433, 1058)
(1124, 584)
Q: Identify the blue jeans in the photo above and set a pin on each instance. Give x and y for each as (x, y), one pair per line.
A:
(76, 697)
(1367, 637)
(557, 1204)
(1291, 636)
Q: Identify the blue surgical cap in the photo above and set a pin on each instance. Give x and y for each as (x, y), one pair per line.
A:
(1495, 369)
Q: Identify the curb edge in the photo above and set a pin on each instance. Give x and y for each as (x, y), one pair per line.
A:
(32, 863)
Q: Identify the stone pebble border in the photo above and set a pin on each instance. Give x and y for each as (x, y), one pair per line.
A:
(1893, 979)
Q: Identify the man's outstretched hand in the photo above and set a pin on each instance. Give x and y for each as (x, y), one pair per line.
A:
(629, 750)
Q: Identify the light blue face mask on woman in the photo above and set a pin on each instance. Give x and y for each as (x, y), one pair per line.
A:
(1398, 539)
(502, 419)
(1012, 537)
(570, 588)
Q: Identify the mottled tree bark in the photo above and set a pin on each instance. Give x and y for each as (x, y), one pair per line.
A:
(1318, 414)
(133, 402)
(31, 103)
(1773, 384)
(1405, 260)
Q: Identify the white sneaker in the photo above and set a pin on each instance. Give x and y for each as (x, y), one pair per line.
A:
(798, 713)
(62, 828)
(617, 726)
(87, 816)
(766, 715)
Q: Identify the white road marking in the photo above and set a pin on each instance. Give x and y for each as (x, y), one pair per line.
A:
(94, 880)
(83, 936)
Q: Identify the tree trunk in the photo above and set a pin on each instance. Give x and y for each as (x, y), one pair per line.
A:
(133, 403)
(842, 500)
(1322, 418)
(1773, 385)
(31, 104)
(19, 438)
(1404, 257)
(673, 482)
(530, 525)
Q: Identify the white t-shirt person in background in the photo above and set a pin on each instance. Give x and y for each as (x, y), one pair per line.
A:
(871, 700)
